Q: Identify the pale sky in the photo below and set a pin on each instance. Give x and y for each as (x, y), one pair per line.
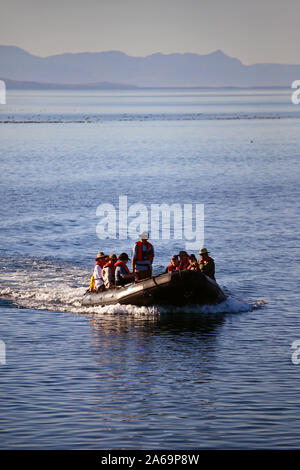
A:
(251, 30)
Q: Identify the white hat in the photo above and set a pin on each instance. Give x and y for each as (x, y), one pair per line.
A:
(144, 235)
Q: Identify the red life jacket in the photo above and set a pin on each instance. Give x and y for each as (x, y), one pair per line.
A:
(120, 263)
(100, 263)
(183, 265)
(205, 261)
(140, 251)
(111, 265)
(171, 267)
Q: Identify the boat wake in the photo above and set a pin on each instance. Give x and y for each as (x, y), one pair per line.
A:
(42, 284)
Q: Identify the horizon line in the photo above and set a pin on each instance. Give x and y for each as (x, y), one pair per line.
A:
(126, 87)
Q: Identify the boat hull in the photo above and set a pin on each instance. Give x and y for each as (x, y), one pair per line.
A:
(177, 288)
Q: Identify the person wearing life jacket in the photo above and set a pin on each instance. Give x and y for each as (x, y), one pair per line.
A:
(122, 274)
(194, 266)
(173, 265)
(142, 257)
(96, 283)
(183, 261)
(207, 264)
(108, 272)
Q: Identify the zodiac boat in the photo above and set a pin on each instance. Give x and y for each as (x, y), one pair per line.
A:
(177, 288)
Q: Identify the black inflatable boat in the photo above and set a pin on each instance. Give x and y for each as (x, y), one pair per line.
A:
(175, 288)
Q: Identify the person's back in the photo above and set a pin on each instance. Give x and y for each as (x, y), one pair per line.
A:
(142, 257)
(108, 272)
(122, 273)
(97, 279)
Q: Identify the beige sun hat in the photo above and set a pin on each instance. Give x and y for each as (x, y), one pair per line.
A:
(100, 254)
(203, 251)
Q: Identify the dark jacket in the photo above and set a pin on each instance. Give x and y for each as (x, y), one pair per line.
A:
(207, 266)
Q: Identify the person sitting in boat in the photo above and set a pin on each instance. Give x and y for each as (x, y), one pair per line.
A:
(97, 283)
(194, 266)
(142, 257)
(108, 272)
(183, 261)
(122, 274)
(173, 265)
(207, 264)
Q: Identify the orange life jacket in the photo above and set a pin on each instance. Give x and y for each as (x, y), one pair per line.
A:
(120, 263)
(100, 263)
(140, 256)
(171, 267)
(206, 260)
(111, 265)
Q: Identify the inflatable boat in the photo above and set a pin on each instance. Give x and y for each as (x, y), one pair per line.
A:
(177, 288)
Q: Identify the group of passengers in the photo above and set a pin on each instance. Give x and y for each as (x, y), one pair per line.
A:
(112, 271)
(184, 261)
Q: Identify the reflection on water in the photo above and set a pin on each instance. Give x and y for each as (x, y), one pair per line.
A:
(144, 367)
(172, 347)
(173, 325)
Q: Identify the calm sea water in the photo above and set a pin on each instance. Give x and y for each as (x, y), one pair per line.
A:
(123, 377)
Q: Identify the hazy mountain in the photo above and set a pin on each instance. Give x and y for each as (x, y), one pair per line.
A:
(215, 69)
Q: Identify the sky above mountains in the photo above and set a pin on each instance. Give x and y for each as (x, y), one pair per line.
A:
(254, 31)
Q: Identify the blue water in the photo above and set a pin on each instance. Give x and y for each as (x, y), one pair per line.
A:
(217, 377)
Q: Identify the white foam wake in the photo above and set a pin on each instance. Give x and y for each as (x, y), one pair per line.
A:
(68, 299)
(46, 285)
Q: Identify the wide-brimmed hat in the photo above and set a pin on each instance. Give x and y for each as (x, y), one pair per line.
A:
(113, 256)
(100, 255)
(123, 256)
(144, 235)
(203, 251)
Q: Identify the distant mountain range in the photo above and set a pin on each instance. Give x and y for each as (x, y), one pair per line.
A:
(114, 69)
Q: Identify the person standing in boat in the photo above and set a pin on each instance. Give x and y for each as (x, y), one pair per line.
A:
(97, 283)
(122, 274)
(142, 257)
(183, 261)
(108, 272)
(207, 264)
